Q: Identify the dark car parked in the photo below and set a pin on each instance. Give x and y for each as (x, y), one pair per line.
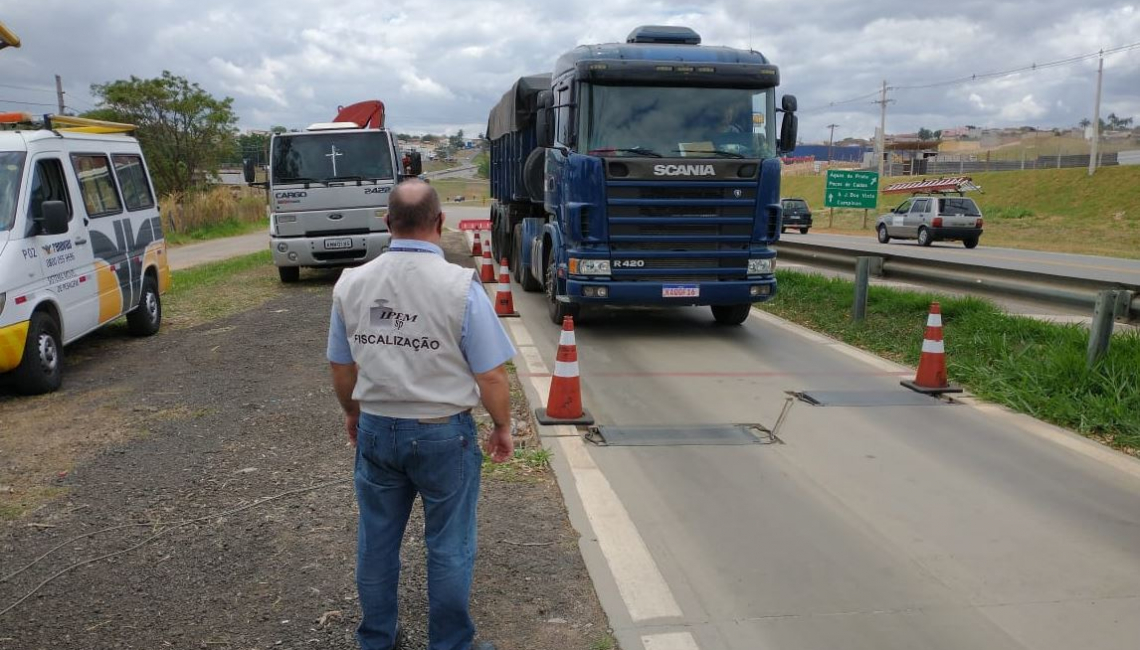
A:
(797, 214)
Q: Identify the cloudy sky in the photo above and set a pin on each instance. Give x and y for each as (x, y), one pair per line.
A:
(440, 65)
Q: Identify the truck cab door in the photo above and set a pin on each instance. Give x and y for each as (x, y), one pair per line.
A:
(66, 258)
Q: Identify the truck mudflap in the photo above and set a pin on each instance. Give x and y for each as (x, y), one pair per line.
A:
(679, 293)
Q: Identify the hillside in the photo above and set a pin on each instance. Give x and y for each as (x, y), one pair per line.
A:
(1055, 209)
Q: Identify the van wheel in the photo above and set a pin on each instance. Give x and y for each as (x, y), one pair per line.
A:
(146, 318)
(970, 242)
(41, 369)
(731, 314)
(924, 237)
(289, 274)
(881, 231)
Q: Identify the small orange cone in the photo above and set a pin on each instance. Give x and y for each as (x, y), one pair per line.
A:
(477, 246)
(564, 405)
(504, 302)
(487, 270)
(488, 247)
(931, 375)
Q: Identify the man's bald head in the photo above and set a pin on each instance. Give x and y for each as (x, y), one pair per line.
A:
(413, 209)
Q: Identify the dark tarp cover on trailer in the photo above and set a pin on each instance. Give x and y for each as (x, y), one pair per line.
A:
(515, 111)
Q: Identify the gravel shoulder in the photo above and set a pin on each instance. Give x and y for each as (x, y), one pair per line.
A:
(180, 440)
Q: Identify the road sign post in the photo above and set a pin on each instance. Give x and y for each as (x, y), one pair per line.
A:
(851, 189)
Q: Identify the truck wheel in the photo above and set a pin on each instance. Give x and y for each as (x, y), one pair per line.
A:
(731, 314)
(557, 309)
(924, 237)
(41, 369)
(289, 274)
(882, 233)
(146, 318)
(970, 242)
(525, 278)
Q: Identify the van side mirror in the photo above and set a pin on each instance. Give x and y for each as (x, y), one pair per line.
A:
(53, 218)
(416, 164)
(789, 125)
(542, 123)
(247, 169)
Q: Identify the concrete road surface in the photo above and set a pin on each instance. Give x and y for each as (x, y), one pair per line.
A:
(188, 255)
(1111, 269)
(870, 528)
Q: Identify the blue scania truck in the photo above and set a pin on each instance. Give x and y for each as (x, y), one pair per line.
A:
(642, 173)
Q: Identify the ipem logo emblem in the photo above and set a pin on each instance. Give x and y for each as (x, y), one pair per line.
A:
(385, 317)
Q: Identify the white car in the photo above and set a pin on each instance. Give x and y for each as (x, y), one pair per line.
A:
(931, 218)
(81, 243)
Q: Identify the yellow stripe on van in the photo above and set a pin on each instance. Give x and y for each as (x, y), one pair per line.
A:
(156, 256)
(110, 294)
(12, 340)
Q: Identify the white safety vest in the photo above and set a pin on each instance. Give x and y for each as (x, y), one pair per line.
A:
(403, 314)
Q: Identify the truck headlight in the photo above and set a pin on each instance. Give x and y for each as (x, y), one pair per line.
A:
(589, 267)
(286, 218)
(760, 267)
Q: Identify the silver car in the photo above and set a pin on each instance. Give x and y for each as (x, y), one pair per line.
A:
(931, 218)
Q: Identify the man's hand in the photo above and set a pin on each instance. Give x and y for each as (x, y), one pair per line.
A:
(500, 445)
(350, 427)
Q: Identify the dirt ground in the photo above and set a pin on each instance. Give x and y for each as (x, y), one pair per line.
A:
(167, 438)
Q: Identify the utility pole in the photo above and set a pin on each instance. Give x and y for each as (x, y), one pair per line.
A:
(830, 139)
(59, 93)
(1096, 117)
(880, 146)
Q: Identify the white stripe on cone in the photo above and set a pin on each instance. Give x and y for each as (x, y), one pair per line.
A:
(565, 368)
(933, 347)
(504, 288)
(566, 338)
(934, 320)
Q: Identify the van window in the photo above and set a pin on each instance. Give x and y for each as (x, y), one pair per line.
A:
(48, 184)
(96, 184)
(132, 178)
(11, 173)
(965, 207)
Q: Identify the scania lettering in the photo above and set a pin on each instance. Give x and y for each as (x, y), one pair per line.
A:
(328, 189)
(642, 173)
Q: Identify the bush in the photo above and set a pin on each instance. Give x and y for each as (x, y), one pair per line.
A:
(186, 213)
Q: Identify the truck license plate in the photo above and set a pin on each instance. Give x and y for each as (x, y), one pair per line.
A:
(337, 244)
(681, 291)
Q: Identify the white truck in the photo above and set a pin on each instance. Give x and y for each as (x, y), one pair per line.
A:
(328, 190)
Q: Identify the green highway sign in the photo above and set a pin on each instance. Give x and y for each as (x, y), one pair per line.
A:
(851, 189)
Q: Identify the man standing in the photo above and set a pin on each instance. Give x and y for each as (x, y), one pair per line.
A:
(414, 345)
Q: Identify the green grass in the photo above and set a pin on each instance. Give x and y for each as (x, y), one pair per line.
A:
(604, 642)
(1031, 366)
(215, 273)
(1061, 210)
(525, 465)
(228, 228)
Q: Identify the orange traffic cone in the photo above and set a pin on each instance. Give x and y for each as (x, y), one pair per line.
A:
(487, 270)
(564, 405)
(477, 246)
(488, 247)
(504, 302)
(931, 375)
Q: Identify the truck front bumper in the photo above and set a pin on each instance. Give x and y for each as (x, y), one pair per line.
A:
(735, 292)
(314, 251)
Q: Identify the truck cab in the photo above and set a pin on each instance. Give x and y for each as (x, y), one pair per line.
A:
(651, 176)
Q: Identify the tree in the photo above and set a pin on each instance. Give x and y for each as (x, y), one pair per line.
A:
(925, 134)
(428, 138)
(938, 134)
(183, 130)
(1085, 123)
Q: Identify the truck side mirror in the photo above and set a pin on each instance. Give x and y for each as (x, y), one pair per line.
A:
(247, 169)
(542, 122)
(416, 166)
(789, 125)
(53, 218)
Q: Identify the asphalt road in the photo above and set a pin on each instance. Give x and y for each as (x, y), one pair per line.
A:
(876, 528)
(1111, 269)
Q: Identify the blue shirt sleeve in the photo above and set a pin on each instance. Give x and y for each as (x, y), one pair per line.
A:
(485, 343)
(338, 349)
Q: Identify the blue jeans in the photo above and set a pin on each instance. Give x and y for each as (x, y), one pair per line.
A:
(395, 460)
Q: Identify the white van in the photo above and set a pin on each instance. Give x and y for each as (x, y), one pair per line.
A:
(81, 242)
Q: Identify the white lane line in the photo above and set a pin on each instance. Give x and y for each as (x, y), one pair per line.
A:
(639, 581)
(519, 333)
(670, 641)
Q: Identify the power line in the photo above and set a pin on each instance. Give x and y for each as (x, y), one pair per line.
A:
(13, 101)
(28, 88)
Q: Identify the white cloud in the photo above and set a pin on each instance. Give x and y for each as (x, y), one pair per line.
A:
(1023, 111)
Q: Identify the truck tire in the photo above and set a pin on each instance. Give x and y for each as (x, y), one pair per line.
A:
(41, 369)
(146, 318)
(731, 314)
(289, 274)
(533, 171)
(924, 237)
(557, 309)
(523, 275)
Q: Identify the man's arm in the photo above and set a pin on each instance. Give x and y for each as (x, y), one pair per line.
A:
(495, 392)
(343, 372)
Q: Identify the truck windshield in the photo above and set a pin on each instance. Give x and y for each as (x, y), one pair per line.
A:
(325, 157)
(11, 171)
(654, 121)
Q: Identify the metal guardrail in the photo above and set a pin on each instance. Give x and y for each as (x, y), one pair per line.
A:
(1047, 288)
